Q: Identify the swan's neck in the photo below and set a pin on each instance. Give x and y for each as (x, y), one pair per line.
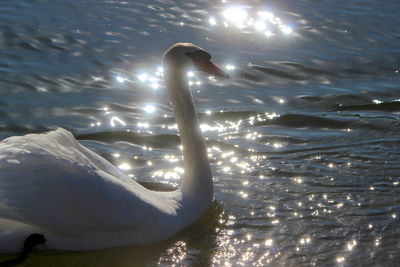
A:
(197, 181)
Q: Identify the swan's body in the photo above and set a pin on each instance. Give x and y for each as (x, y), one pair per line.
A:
(52, 185)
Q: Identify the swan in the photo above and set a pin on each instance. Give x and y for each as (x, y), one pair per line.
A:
(53, 186)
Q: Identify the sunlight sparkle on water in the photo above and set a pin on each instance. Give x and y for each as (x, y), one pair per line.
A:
(124, 166)
(142, 77)
(351, 245)
(143, 125)
(265, 15)
(212, 21)
(120, 79)
(236, 15)
(268, 34)
(251, 20)
(298, 180)
(340, 259)
(116, 119)
(286, 29)
(277, 145)
(152, 80)
(260, 25)
(175, 255)
(305, 240)
(269, 242)
(149, 108)
(230, 67)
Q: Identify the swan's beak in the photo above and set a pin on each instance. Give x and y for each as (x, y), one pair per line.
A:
(210, 68)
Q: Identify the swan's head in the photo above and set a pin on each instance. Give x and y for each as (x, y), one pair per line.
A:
(185, 55)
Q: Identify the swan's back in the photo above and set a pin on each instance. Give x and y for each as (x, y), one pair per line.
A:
(59, 145)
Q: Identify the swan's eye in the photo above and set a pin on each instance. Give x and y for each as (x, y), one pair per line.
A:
(198, 55)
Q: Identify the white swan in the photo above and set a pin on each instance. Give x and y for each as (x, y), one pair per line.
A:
(52, 185)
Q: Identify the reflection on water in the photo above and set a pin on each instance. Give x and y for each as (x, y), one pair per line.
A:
(149, 108)
(303, 139)
(262, 21)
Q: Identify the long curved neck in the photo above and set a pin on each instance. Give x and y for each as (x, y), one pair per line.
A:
(197, 180)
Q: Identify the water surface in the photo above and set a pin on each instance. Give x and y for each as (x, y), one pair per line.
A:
(303, 139)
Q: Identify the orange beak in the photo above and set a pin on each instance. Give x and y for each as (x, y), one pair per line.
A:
(210, 68)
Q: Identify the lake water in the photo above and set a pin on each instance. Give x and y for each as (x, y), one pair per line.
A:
(304, 139)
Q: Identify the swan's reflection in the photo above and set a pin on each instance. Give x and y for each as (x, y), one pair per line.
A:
(208, 231)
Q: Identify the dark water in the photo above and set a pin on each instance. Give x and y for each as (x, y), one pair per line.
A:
(304, 139)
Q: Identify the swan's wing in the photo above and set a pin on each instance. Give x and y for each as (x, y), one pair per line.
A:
(51, 181)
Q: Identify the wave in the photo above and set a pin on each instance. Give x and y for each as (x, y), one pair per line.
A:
(386, 107)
